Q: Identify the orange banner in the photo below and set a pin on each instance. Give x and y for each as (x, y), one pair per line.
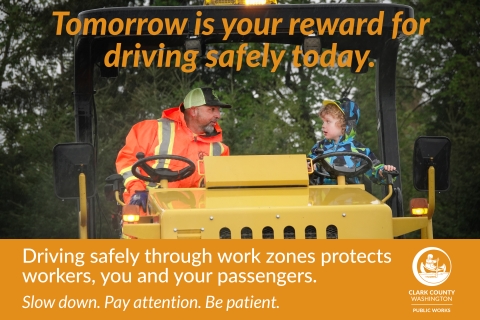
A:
(282, 279)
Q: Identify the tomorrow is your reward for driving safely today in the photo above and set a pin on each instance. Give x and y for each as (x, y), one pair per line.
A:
(242, 56)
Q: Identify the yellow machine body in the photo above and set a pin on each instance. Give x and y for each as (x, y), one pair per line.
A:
(262, 197)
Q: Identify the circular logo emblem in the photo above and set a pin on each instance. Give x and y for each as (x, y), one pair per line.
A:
(431, 266)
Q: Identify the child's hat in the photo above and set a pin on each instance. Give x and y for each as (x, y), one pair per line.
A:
(334, 102)
(350, 110)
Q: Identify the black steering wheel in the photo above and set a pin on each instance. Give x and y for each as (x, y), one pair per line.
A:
(331, 171)
(155, 175)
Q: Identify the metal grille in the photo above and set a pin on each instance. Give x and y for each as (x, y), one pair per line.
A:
(332, 232)
(225, 233)
(267, 233)
(246, 233)
(310, 232)
(289, 232)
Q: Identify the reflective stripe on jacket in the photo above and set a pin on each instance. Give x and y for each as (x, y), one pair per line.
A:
(167, 135)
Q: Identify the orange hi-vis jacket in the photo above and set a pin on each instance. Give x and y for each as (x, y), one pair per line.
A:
(168, 135)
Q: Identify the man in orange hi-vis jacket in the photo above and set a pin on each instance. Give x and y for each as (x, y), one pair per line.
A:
(189, 130)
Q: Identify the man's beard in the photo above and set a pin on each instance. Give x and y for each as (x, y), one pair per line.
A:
(209, 128)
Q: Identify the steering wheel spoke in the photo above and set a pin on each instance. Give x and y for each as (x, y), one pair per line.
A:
(187, 171)
(321, 172)
(148, 170)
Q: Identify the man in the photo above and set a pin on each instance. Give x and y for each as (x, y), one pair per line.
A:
(189, 130)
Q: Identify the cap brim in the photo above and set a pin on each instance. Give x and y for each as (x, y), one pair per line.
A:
(217, 104)
(325, 102)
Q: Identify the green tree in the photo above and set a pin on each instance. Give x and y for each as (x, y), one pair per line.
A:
(445, 72)
(36, 77)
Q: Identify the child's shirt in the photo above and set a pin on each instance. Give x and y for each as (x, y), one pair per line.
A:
(350, 145)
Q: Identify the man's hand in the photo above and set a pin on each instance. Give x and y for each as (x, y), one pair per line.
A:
(140, 198)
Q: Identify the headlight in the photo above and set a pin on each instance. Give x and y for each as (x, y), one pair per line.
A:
(419, 211)
(131, 217)
(131, 213)
(419, 207)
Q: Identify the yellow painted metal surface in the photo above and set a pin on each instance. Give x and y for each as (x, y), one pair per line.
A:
(202, 213)
(142, 230)
(405, 225)
(361, 222)
(431, 192)
(82, 215)
(390, 192)
(268, 193)
(174, 199)
(255, 171)
(427, 232)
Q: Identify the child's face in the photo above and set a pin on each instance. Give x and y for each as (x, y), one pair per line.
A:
(331, 128)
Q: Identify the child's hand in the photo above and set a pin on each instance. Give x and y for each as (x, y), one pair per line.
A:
(389, 168)
(309, 167)
(386, 167)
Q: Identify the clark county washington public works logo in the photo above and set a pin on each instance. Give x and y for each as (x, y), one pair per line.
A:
(432, 266)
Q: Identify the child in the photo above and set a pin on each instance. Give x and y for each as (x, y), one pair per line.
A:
(339, 128)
